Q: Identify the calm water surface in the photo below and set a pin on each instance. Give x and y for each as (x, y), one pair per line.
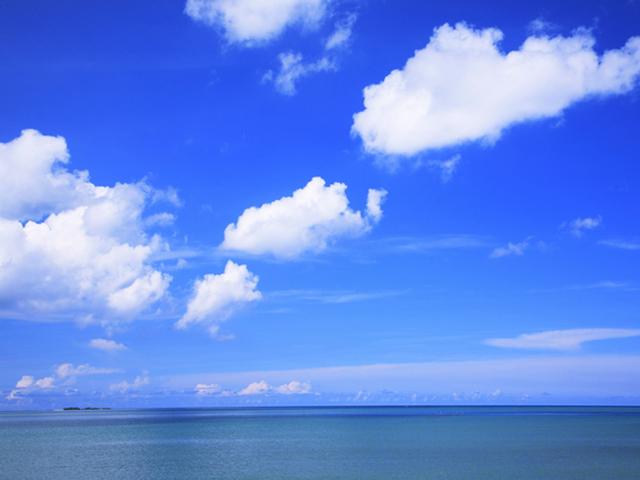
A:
(476, 443)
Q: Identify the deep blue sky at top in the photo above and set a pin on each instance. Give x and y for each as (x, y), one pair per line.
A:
(139, 90)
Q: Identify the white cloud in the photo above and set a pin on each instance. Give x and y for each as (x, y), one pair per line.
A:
(517, 249)
(293, 68)
(462, 88)
(162, 219)
(143, 291)
(254, 21)
(30, 186)
(106, 345)
(66, 370)
(541, 25)
(375, 199)
(605, 284)
(256, 388)
(342, 33)
(578, 226)
(45, 383)
(25, 382)
(621, 244)
(294, 387)
(125, 386)
(307, 221)
(432, 243)
(68, 247)
(333, 296)
(447, 167)
(206, 389)
(28, 384)
(216, 297)
(571, 339)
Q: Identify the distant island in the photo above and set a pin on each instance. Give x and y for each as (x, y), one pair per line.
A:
(86, 408)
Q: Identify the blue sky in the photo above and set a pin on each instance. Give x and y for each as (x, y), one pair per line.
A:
(463, 228)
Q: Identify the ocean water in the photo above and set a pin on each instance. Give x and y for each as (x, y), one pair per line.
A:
(404, 443)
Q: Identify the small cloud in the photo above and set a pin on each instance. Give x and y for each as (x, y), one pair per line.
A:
(45, 383)
(571, 339)
(106, 345)
(375, 199)
(541, 25)
(25, 382)
(255, 388)
(181, 264)
(136, 384)
(447, 167)
(206, 389)
(167, 195)
(517, 249)
(293, 68)
(342, 33)
(294, 388)
(28, 384)
(217, 296)
(65, 371)
(578, 226)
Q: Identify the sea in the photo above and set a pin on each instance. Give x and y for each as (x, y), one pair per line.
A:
(323, 443)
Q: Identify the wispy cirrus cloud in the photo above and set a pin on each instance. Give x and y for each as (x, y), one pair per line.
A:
(571, 339)
(66, 370)
(333, 296)
(431, 243)
(605, 285)
(621, 244)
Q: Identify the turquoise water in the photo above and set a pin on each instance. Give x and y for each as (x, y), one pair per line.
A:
(405, 443)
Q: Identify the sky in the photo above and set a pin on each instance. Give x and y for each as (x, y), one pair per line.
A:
(311, 202)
